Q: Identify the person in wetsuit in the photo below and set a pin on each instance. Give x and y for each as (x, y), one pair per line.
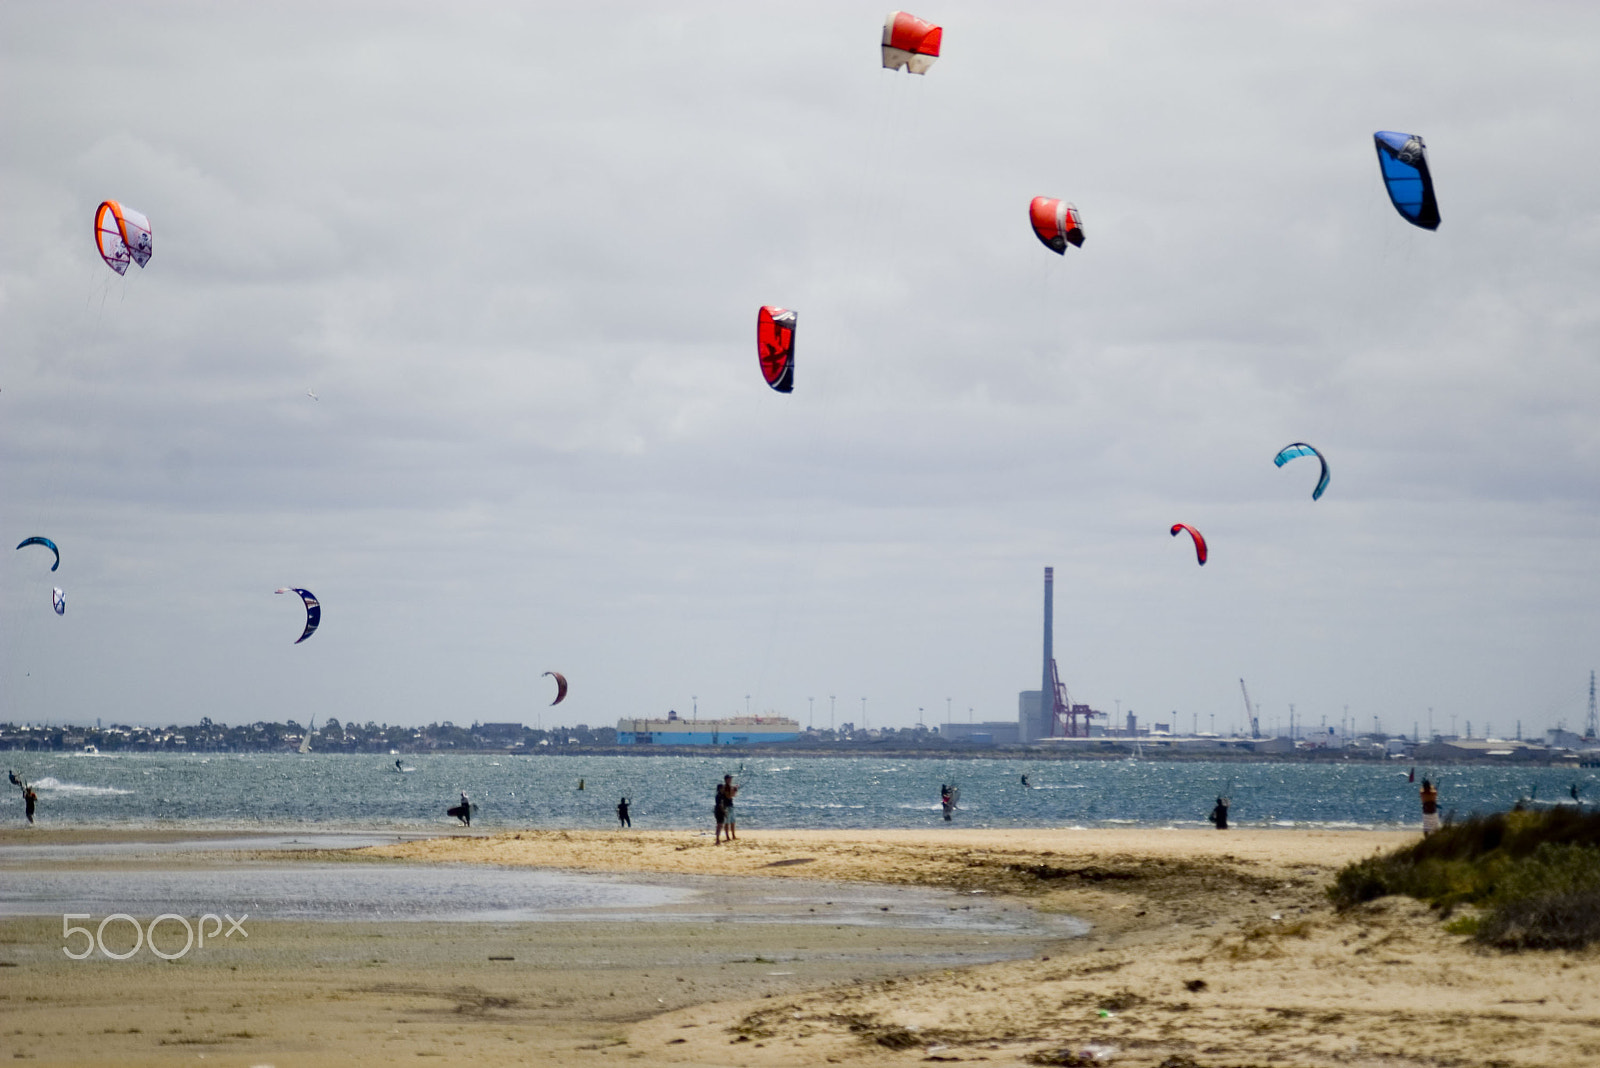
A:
(622, 814)
(723, 809)
(946, 801)
(462, 812)
(1219, 815)
(29, 801)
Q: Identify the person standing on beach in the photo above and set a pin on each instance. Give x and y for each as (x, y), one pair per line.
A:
(29, 801)
(622, 814)
(462, 812)
(1219, 815)
(1430, 808)
(723, 809)
(728, 790)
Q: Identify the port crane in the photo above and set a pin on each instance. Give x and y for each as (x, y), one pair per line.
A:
(1250, 711)
(1065, 716)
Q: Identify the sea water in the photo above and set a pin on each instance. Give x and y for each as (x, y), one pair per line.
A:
(254, 791)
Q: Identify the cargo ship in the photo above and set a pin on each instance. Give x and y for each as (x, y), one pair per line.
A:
(737, 730)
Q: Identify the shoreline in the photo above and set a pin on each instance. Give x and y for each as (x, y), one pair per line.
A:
(1206, 949)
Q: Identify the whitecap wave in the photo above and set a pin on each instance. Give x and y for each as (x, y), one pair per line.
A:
(56, 786)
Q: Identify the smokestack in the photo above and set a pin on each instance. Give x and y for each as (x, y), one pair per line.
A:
(1047, 689)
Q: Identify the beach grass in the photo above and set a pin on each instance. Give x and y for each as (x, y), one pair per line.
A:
(1533, 877)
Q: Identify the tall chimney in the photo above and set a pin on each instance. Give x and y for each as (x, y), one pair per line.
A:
(1047, 689)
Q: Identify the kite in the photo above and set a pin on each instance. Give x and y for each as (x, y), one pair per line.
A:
(910, 42)
(313, 610)
(47, 543)
(775, 346)
(1199, 541)
(1300, 448)
(122, 235)
(1404, 159)
(1056, 223)
(561, 686)
(59, 600)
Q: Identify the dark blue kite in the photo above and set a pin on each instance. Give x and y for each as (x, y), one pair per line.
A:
(47, 543)
(313, 610)
(1404, 159)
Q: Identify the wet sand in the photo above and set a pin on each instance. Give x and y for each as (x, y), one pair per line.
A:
(1207, 949)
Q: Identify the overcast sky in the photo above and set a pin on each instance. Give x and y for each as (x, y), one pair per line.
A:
(517, 252)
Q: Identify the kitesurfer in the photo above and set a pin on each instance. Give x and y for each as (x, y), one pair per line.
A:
(29, 801)
(1219, 815)
(622, 814)
(1430, 807)
(399, 766)
(723, 809)
(18, 783)
(946, 801)
(1025, 781)
(462, 812)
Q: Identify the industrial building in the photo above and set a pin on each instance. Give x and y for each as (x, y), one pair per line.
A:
(737, 730)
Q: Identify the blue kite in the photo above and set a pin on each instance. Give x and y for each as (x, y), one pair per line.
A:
(1300, 448)
(1404, 159)
(313, 610)
(47, 543)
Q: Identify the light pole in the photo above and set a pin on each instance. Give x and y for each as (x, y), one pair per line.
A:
(830, 711)
(863, 713)
(747, 704)
(694, 704)
(811, 714)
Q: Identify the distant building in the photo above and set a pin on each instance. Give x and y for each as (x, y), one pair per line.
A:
(737, 730)
(1033, 716)
(1475, 748)
(1003, 732)
(1559, 738)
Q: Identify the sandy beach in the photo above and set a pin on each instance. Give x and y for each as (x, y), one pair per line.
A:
(1205, 949)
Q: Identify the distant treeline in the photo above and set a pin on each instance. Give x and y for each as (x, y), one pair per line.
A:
(331, 736)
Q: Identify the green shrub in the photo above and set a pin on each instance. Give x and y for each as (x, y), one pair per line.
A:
(1537, 875)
